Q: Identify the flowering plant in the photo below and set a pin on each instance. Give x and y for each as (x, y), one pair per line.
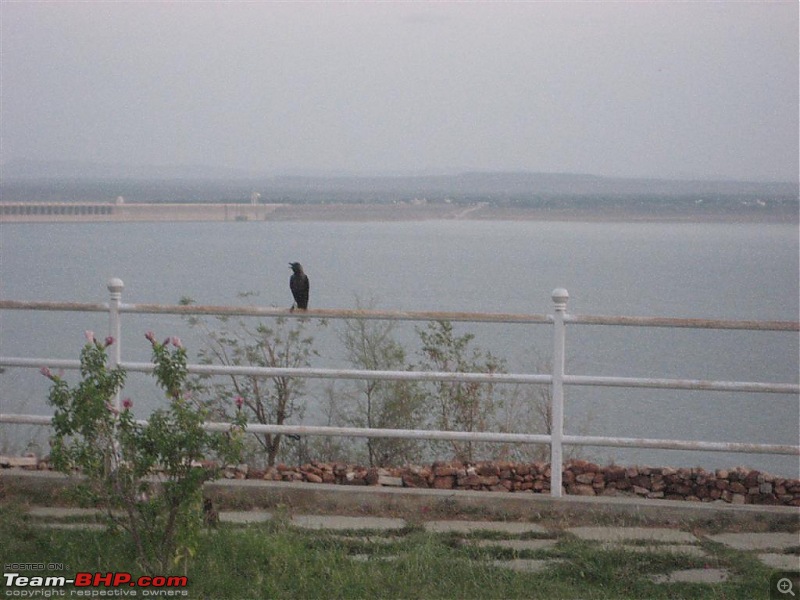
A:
(147, 474)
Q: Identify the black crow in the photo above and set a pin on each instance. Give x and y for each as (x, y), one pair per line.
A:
(299, 285)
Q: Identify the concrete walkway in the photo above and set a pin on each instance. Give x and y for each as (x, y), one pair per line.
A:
(633, 534)
(533, 547)
(511, 528)
(337, 523)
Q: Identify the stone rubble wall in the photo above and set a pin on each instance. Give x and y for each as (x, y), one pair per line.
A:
(579, 477)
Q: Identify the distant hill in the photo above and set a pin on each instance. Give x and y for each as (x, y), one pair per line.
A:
(497, 185)
(74, 181)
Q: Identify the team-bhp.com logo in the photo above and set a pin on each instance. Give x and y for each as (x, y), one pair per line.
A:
(94, 585)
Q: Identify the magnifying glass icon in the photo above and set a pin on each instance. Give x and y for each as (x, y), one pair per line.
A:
(785, 586)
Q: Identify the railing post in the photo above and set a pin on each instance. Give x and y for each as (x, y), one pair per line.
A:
(560, 297)
(115, 287)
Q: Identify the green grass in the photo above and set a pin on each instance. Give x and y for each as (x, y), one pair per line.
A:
(274, 560)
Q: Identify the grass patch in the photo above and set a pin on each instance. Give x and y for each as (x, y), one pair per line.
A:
(275, 560)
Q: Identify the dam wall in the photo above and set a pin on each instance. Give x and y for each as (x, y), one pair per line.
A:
(33, 212)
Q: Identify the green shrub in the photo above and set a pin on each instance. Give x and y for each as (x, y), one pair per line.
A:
(148, 475)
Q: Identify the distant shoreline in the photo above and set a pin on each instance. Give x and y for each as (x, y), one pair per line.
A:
(367, 212)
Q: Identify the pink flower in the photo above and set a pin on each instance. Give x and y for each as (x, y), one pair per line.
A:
(46, 372)
(109, 341)
(151, 337)
(127, 404)
(176, 341)
(239, 402)
(89, 336)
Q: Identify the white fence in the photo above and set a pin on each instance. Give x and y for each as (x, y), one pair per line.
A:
(557, 379)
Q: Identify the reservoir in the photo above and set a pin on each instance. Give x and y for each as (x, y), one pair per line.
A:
(688, 270)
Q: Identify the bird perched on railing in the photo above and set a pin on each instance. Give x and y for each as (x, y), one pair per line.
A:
(299, 285)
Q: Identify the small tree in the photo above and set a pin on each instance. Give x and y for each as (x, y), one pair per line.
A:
(267, 400)
(378, 403)
(148, 470)
(459, 406)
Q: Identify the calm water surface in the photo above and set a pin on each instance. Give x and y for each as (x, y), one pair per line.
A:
(728, 271)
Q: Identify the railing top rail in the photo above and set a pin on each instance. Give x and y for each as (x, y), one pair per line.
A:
(400, 315)
(387, 315)
(682, 323)
(271, 311)
(53, 306)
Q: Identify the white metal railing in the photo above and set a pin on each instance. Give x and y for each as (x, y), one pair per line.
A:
(557, 378)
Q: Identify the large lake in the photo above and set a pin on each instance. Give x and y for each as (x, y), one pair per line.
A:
(727, 271)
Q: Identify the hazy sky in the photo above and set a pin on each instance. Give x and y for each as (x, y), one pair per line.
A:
(620, 89)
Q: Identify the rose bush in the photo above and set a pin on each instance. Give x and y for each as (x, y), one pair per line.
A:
(148, 475)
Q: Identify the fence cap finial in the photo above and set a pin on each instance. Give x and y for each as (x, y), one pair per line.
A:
(115, 285)
(560, 296)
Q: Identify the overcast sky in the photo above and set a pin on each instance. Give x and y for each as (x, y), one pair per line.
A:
(635, 89)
